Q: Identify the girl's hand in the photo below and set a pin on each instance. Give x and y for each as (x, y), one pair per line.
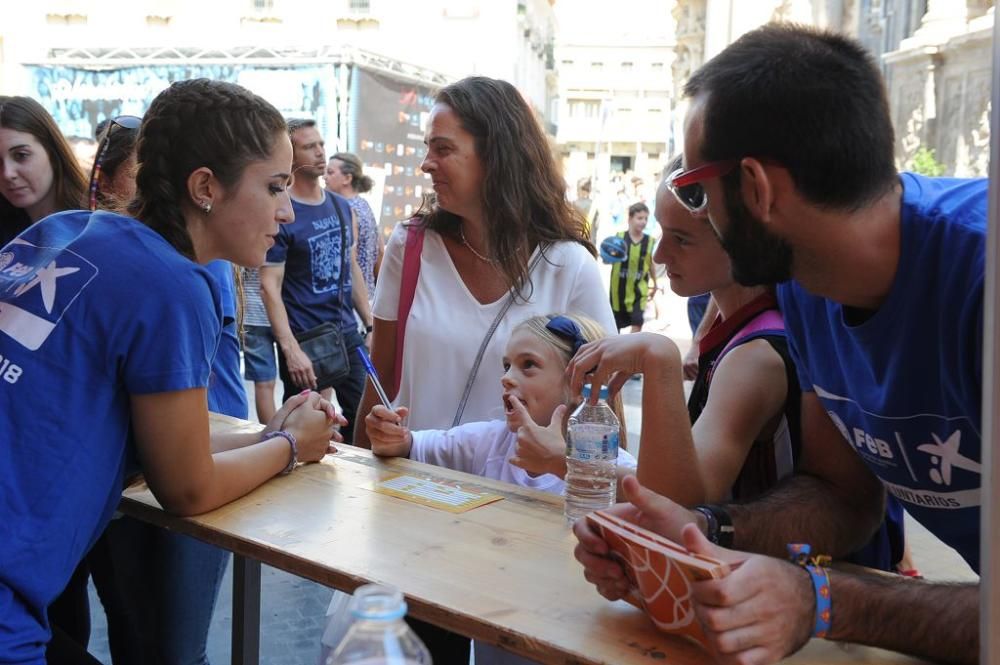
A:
(388, 435)
(612, 360)
(311, 425)
(540, 449)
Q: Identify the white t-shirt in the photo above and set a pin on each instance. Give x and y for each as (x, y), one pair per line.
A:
(485, 449)
(447, 324)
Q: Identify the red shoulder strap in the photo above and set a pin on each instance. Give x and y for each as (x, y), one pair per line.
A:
(407, 289)
(769, 320)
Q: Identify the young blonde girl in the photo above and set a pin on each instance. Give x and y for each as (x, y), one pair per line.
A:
(526, 448)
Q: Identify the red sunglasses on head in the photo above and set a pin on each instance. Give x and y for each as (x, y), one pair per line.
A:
(686, 185)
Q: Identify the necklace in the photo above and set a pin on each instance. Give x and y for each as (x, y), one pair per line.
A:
(461, 234)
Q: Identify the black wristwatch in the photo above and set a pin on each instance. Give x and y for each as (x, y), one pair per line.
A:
(720, 524)
(368, 331)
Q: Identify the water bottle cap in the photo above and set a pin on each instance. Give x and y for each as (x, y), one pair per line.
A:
(602, 394)
(377, 602)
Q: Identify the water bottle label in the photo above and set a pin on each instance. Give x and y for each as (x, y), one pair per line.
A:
(592, 444)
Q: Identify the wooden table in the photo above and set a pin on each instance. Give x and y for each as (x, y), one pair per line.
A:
(503, 573)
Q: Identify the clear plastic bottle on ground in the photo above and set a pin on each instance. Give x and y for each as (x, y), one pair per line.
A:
(379, 636)
(591, 457)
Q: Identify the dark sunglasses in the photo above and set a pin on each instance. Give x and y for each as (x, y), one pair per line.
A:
(686, 185)
(130, 122)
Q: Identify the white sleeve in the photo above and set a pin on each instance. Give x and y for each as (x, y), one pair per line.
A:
(390, 276)
(462, 448)
(625, 459)
(589, 296)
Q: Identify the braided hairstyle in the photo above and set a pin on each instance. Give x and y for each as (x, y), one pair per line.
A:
(194, 124)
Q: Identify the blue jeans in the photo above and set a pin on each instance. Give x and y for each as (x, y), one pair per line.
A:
(164, 585)
(258, 354)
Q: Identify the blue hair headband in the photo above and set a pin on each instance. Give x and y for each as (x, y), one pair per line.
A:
(567, 329)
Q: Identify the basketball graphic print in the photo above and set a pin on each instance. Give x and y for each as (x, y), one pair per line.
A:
(660, 573)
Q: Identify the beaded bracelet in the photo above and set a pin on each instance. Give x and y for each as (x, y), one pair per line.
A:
(294, 458)
(799, 554)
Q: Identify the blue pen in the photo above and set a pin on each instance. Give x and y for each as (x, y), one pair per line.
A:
(373, 375)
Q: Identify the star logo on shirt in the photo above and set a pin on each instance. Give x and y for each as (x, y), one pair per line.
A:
(945, 455)
(46, 279)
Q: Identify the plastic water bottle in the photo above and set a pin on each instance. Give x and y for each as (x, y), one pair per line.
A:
(591, 457)
(379, 636)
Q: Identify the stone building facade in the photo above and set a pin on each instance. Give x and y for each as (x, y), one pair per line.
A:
(936, 56)
(939, 86)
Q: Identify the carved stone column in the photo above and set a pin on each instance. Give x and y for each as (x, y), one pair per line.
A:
(943, 19)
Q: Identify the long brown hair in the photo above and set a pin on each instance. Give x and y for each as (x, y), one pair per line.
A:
(523, 193)
(24, 114)
(192, 124)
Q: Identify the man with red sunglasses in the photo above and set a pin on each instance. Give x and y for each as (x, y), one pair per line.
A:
(789, 153)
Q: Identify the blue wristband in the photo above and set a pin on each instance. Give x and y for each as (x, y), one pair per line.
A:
(294, 457)
(799, 554)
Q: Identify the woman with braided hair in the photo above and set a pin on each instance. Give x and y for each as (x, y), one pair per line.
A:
(108, 326)
(158, 587)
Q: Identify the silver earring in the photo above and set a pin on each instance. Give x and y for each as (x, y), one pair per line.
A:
(207, 207)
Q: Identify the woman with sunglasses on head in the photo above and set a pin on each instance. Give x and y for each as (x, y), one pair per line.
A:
(39, 174)
(112, 177)
(108, 327)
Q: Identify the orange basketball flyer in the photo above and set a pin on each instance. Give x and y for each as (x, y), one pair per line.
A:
(661, 572)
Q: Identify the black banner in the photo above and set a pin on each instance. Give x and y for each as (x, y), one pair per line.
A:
(390, 117)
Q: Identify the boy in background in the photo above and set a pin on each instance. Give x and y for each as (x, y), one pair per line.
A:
(631, 278)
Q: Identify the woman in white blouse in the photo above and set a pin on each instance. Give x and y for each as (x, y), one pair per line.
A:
(500, 229)
(500, 201)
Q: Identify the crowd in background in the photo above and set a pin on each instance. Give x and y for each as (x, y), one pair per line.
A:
(214, 222)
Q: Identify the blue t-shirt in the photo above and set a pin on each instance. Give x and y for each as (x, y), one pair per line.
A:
(226, 392)
(904, 386)
(93, 307)
(315, 248)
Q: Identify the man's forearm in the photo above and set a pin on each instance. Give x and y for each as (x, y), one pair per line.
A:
(806, 509)
(939, 622)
